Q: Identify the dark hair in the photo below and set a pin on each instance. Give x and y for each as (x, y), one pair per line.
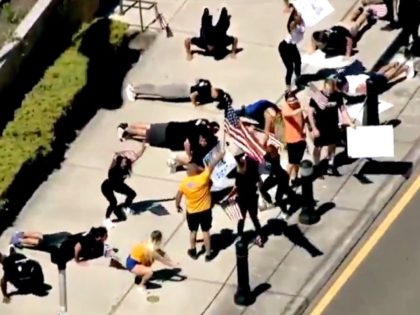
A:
(289, 94)
(98, 232)
(214, 125)
(225, 101)
(320, 36)
(340, 81)
(118, 161)
(156, 236)
(220, 93)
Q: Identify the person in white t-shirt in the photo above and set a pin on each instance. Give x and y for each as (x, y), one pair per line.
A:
(355, 85)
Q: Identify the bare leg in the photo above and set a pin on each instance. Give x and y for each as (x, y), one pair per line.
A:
(207, 244)
(187, 45)
(316, 155)
(193, 240)
(354, 15)
(138, 129)
(393, 71)
(144, 272)
(387, 68)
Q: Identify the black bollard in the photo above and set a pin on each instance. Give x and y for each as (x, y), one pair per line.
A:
(308, 214)
(243, 295)
(371, 107)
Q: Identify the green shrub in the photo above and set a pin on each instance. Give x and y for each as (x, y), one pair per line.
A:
(32, 131)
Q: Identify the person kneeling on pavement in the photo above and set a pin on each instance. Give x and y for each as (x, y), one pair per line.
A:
(213, 40)
(23, 273)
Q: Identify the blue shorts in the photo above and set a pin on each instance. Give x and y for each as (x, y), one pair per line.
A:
(130, 263)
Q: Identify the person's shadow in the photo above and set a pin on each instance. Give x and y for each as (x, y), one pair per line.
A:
(293, 233)
(40, 291)
(163, 275)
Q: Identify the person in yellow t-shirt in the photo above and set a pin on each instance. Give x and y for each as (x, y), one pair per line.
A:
(142, 256)
(196, 189)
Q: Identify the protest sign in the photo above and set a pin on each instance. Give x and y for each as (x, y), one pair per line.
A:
(370, 141)
(313, 11)
(356, 110)
(222, 169)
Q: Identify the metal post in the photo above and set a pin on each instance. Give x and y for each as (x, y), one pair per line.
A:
(243, 295)
(62, 283)
(141, 15)
(371, 108)
(308, 214)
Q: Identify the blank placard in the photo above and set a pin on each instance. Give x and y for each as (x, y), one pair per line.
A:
(370, 141)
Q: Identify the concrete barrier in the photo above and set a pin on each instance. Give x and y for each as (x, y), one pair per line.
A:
(33, 27)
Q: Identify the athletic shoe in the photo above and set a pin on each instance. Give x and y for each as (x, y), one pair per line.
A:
(141, 289)
(16, 239)
(192, 253)
(130, 94)
(130, 87)
(284, 216)
(128, 210)
(172, 165)
(209, 257)
(121, 131)
(108, 224)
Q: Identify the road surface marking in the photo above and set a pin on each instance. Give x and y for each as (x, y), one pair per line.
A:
(366, 248)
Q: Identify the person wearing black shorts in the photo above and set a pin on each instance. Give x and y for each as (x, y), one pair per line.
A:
(213, 40)
(324, 120)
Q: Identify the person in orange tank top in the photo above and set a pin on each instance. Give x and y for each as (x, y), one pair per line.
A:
(294, 134)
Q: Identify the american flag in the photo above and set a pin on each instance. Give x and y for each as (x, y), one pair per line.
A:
(232, 210)
(241, 136)
(317, 96)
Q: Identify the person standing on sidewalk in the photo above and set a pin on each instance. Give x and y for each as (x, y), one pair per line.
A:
(247, 182)
(196, 189)
(409, 21)
(294, 134)
(278, 177)
(288, 49)
(323, 116)
(120, 169)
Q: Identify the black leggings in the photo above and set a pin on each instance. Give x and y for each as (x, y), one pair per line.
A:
(290, 55)
(250, 206)
(108, 189)
(283, 188)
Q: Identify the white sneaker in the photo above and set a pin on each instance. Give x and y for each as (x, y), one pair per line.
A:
(172, 165)
(130, 94)
(128, 210)
(120, 134)
(108, 224)
(283, 216)
(143, 290)
(130, 87)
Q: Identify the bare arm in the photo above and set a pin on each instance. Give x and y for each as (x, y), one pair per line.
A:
(187, 148)
(3, 285)
(141, 151)
(178, 199)
(77, 250)
(162, 257)
(349, 47)
(193, 98)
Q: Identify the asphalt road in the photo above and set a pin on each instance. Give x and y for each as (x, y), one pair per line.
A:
(388, 281)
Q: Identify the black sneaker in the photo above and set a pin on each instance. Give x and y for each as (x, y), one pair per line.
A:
(209, 257)
(192, 253)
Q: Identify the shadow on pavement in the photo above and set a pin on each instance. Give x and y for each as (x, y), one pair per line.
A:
(163, 275)
(152, 206)
(293, 233)
(44, 290)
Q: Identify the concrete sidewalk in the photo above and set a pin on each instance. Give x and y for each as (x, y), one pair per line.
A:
(71, 200)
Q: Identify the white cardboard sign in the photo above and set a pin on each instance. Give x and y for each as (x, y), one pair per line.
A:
(370, 141)
(313, 11)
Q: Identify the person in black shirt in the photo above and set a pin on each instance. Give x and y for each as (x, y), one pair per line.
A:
(278, 177)
(24, 274)
(118, 172)
(170, 135)
(213, 40)
(247, 183)
(65, 246)
(202, 92)
(196, 147)
(323, 116)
